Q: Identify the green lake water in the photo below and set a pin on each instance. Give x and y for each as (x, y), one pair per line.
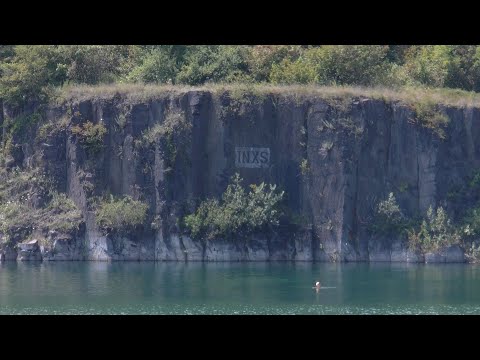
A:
(237, 288)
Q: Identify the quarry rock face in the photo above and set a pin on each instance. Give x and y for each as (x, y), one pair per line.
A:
(335, 163)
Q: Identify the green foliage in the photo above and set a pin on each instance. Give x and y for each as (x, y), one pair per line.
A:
(466, 193)
(22, 210)
(6, 51)
(429, 116)
(436, 232)
(325, 148)
(173, 134)
(261, 58)
(464, 69)
(51, 128)
(304, 167)
(30, 75)
(13, 215)
(242, 100)
(396, 53)
(174, 122)
(389, 219)
(403, 187)
(90, 135)
(18, 125)
(454, 66)
(429, 65)
(92, 64)
(61, 214)
(214, 63)
(17, 129)
(27, 72)
(334, 65)
(157, 66)
(300, 71)
(238, 214)
(350, 64)
(390, 209)
(471, 222)
(475, 182)
(154, 63)
(62, 202)
(18, 184)
(472, 253)
(121, 215)
(347, 122)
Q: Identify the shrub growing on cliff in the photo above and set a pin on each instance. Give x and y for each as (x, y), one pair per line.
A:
(51, 129)
(470, 230)
(472, 222)
(121, 215)
(175, 122)
(436, 232)
(389, 219)
(304, 167)
(18, 129)
(14, 216)
(62, 214)
(27, 203)
(429, 116)
(172, 136)
(238, 213)
(90, 135)
(472, 253)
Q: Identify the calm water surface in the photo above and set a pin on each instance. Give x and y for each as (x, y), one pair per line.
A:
(237, 288)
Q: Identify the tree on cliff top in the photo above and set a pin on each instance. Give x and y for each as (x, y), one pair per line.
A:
(27, 71)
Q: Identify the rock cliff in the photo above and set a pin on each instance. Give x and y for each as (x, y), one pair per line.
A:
(334, 156)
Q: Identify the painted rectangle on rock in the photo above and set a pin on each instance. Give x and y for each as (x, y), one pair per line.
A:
(251, 157)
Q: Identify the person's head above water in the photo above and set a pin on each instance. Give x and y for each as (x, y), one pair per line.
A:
(317, 284)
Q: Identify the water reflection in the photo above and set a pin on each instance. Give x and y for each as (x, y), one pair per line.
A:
(196, 287)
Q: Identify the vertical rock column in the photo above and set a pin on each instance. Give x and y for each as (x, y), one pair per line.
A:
(2, 133)
(326, 171)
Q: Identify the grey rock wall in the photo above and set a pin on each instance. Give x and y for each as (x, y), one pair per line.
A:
(354, 154)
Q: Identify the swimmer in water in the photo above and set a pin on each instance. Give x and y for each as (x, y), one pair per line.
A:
(317, 285)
